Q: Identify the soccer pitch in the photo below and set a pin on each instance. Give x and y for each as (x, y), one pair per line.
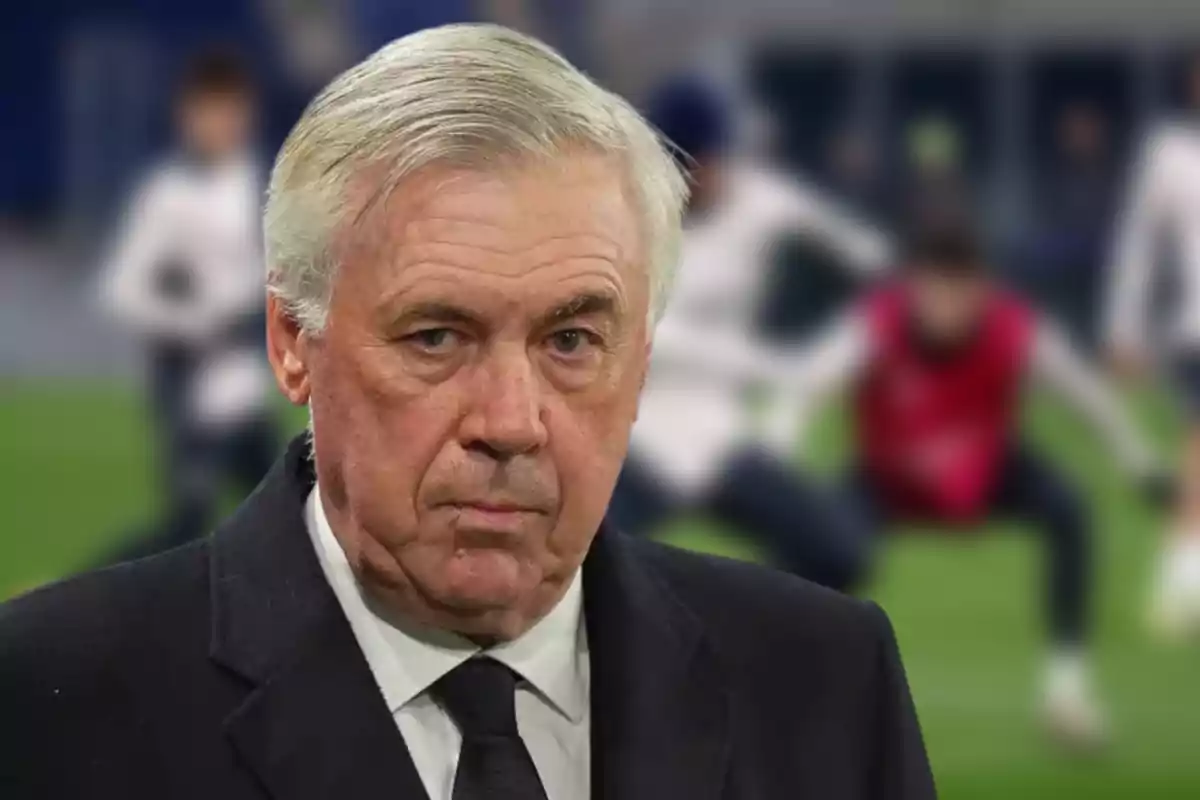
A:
(76, 476)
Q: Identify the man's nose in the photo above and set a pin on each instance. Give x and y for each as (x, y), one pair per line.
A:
(505, 417)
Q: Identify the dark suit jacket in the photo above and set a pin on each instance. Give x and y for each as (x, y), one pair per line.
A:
(225, 670)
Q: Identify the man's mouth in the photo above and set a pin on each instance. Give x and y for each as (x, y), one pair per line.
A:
(498, 507)
(493, 516)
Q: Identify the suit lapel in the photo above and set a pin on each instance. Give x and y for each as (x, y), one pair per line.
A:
(320, 729)
(315, 724)
(659, 703)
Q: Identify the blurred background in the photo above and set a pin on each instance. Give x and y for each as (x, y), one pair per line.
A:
(1029, 112)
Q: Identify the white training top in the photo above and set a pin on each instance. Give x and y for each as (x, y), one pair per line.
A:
(1161, 212)
(204, 220)
(207, 220)
(706, 352)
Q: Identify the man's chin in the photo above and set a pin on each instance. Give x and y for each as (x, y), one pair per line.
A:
(482, 593)
(480, 581)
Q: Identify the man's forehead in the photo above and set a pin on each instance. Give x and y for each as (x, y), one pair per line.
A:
(555, 228)
(515, 206)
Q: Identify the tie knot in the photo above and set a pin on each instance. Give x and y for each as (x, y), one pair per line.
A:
(480, 694)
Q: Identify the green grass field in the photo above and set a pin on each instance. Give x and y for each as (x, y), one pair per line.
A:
(75, 474)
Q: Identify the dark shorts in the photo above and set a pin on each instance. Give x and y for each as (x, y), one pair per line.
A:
(1027, 485)
(1185, 379)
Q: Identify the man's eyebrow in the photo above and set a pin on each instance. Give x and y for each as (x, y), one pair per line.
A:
(436, 312)
(580, 305)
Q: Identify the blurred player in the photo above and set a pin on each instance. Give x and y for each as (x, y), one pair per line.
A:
(1161, 216)
(187, 277)
(938, 362)
(1063, 261)
(693, 446)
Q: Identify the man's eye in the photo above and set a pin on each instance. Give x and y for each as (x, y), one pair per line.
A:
(433, 340)
(571, 342)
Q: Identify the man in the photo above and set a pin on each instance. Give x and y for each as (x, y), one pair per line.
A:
(187, 278)
(469, 243)
(1161, 216)
(939, 362)
(1065, 254)
(695, 446)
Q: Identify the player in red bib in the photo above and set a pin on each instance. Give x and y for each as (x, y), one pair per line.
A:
(938, 362)
(935, 415)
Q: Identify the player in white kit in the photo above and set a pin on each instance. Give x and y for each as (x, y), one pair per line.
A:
(187, 277)
(1162, 220)
(695, 445)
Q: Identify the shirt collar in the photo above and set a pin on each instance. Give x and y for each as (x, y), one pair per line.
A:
(551, 656)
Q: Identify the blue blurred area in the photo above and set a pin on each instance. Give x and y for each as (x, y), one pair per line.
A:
(377, 22)
(107, 66)
(27, 117)
(37, 45)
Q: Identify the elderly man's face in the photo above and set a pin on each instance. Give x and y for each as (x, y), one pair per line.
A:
(473, 391)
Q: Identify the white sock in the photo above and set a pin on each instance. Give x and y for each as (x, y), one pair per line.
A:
(1067, 671)
(1068, 695)
(1182, 562)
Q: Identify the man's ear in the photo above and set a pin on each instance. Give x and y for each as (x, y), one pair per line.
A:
(287, 350)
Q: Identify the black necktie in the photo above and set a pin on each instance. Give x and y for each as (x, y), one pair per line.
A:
(493, 763)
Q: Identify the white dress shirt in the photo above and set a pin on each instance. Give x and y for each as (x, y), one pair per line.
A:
(553, 697)
(706, 350)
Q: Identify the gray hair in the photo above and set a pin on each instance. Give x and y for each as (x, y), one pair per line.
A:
(460, 95)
